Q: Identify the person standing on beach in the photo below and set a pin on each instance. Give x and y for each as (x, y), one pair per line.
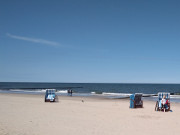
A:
(70, 92)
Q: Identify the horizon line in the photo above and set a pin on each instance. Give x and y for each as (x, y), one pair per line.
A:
(86, 82)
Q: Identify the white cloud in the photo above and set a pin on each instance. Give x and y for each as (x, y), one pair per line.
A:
(35, 40)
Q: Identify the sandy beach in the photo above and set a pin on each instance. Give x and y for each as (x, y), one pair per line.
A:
(22, 114)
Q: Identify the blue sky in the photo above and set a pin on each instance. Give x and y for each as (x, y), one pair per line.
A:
(90, 41)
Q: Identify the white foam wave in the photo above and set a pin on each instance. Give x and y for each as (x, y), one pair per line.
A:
(116, 94)
(43, 90)
(174, 96)
(16, 90)
(62, 91)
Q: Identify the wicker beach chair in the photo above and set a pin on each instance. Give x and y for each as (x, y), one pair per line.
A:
(159, 106)
(136, 101)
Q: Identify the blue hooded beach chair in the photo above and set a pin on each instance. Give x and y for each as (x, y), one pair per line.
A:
(159, 106)
(50, 95)
(136, 101)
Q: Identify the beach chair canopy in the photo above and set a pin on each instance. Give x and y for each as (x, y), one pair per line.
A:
(51, 91)
(161, 94)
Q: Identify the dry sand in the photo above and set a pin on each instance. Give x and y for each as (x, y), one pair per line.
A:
(22, 114)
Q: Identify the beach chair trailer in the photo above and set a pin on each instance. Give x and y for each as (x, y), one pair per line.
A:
(136, 101)
(159, 106)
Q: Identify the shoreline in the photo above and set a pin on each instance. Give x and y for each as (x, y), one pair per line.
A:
(72, 98)
(147, 97)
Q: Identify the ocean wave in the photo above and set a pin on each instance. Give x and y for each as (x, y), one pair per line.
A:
(174, 96)
(116, 94)
(62, 91)
(110, 94)
(16, 90)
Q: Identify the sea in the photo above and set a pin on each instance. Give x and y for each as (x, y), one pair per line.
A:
(107, 90)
